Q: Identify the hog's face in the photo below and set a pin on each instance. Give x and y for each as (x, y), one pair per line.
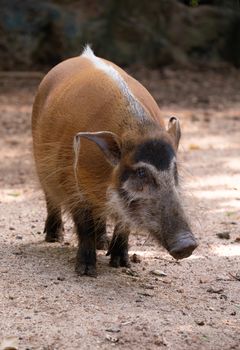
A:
(145, 183)
(147, 196)
(144, 190)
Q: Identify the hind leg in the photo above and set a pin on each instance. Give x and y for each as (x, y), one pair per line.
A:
(53, 225)
(118, 249)
(86, 255)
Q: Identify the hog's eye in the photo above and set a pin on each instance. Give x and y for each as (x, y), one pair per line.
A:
(141, 173)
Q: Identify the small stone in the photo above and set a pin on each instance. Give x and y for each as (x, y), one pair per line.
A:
(112, 339)
(223, 235)
(139, 301)
(61, 278)
(130, 272)
(160, 342)
(233, 313)
(19, 252)
(145, 294)
(113, 330)
(135, 259)
(11, 228)
(200, 322)
(180, 290)
(147, 286)
(237, 276)
(158, 273)
(127, 323)
(18, 237)
(214, 290)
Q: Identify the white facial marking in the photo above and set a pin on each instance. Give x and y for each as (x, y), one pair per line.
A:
(134, 105)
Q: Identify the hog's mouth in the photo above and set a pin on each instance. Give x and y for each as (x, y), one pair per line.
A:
(183, 246)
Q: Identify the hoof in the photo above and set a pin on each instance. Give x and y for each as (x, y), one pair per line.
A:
(54, 237)
(119, 261)
(84, 269)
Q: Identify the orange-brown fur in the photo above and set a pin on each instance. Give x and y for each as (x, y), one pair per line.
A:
(102, 150)
(76, 96)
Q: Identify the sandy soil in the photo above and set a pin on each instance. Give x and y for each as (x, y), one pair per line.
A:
(44, 305)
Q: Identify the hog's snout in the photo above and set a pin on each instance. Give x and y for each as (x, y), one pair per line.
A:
(183, 246)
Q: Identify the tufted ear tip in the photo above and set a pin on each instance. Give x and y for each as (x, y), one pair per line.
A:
(174, 130)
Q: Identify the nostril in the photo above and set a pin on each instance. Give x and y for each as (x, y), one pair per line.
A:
(183, 247)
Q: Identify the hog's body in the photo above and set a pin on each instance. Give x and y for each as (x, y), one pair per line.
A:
(121, 131)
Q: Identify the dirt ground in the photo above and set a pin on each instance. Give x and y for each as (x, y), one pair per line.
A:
(194, 303)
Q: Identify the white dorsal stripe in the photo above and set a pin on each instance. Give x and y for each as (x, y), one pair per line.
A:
(134, 105)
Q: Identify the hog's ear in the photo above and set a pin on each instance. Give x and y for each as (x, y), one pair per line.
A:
(108, 142)
(174, 130)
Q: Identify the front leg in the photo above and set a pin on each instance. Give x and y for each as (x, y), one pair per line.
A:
(86, 255)
(118, 248)
(102, 240)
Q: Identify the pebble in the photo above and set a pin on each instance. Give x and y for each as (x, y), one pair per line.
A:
(61, 278)
(18, 237)
(223, 235)
(130, 272)
(158, 273)
(135, 259)
(112, 339)
(214, 290)
(145, 294)
(113, 330)
(147, 286)
(200, 322)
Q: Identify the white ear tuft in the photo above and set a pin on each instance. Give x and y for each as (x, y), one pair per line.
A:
(76, 150)
(174, 130)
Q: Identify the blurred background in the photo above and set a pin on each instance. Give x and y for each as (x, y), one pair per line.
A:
(37, 34)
